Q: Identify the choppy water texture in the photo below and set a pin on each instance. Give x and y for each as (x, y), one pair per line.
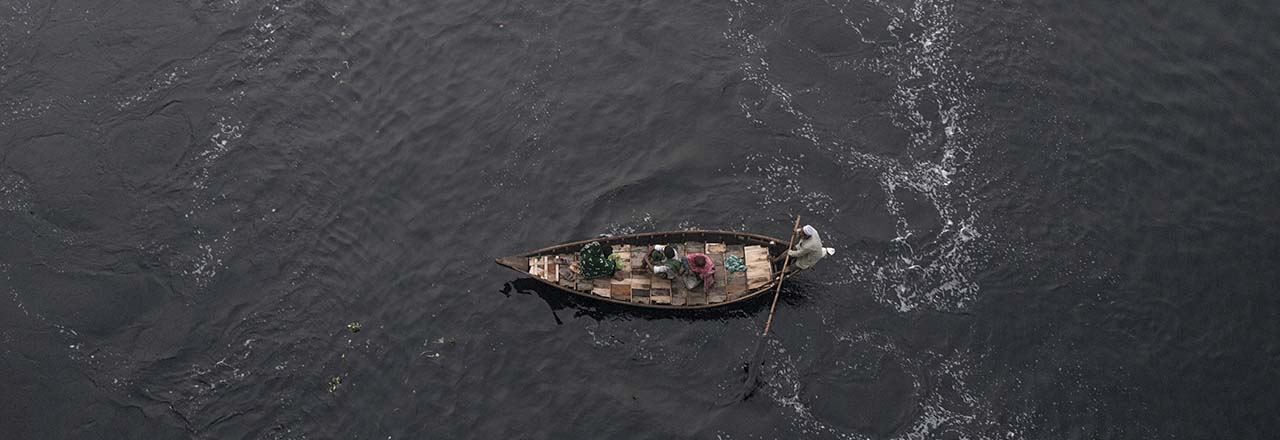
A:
(1053, 219)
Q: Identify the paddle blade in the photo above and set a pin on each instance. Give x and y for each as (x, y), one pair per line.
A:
(753, 371)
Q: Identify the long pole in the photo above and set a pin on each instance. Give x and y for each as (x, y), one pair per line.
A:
(753, 368)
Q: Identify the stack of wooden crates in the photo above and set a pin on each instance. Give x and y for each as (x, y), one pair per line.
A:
(641, 286)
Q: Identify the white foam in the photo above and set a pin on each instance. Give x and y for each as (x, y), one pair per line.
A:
(922, 269)
(202, 266)
(936, 274)
(163, 81)
(20, 110)
(15, 193)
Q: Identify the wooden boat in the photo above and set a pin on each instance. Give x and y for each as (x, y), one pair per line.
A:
(642, 288)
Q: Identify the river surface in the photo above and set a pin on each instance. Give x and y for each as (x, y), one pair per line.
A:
(1052, 220)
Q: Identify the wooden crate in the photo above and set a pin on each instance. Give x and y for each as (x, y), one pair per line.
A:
(641, 283)
(600, 287)
(662, 288)
(756, 252)
(582, 285)
(535, 267)
(566, 278)
(549, 272)
(661, 296)
(638, 254)
(697, 297)
(756, 282)
(656, 296)
(759, 270)
(620, 290)
(640, 296)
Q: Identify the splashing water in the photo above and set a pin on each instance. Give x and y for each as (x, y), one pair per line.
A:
(923, 266)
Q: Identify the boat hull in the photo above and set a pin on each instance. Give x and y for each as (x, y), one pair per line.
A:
(774, 246)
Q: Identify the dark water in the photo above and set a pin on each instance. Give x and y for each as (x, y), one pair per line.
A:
(1053, 219)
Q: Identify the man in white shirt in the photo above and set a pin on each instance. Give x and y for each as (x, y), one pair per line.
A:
(808, 249)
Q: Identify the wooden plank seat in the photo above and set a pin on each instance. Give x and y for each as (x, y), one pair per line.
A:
(718, 293)
(736, 282)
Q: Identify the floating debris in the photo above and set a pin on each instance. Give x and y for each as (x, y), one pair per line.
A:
(334, 382)
(353, 327)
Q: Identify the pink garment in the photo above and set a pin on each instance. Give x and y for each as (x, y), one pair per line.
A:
(707, 273)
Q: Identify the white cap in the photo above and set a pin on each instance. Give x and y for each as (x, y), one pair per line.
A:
(809, 230)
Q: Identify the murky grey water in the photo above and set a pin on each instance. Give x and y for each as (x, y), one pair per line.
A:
(1052, 220)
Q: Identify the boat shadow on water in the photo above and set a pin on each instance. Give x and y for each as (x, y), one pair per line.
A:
(793, 295)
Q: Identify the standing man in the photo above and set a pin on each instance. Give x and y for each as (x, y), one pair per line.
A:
(808, 249)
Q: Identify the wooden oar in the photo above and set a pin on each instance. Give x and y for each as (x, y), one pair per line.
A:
(753, 368)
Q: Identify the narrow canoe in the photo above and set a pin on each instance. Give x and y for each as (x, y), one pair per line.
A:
(641, 288)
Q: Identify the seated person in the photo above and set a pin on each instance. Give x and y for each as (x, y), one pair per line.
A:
(595, 261)
(702, 266)
(664, 261)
